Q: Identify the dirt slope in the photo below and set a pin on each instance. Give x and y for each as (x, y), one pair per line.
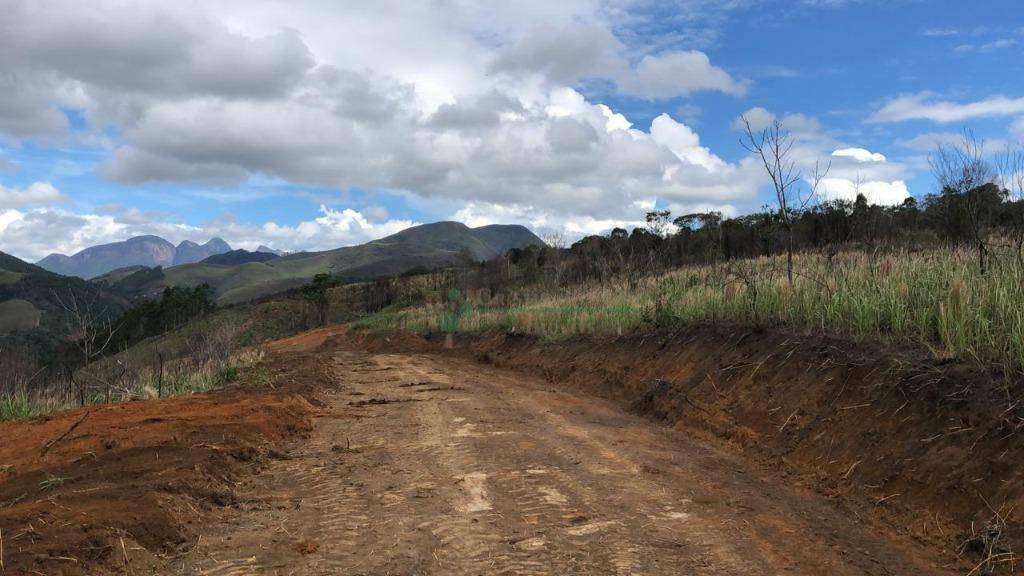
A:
(129, 486)
(930, 448)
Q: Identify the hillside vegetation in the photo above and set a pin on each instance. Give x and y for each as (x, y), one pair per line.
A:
(33, 301)
(933, 297)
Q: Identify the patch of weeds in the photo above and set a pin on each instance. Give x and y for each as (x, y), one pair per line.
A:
(224, 376)
(258, 377)
(17, 406)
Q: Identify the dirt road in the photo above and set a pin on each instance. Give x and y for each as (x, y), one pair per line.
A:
(422, 464)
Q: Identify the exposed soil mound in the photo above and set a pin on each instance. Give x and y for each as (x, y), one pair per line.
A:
(931, 448)
(119, 487)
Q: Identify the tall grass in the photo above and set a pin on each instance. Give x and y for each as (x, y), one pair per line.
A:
(16, 406)
(938, 297)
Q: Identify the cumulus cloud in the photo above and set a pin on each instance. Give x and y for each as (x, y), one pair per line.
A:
(855, 170)
(684, 143)
(560, 153)
(927, 106)
(876, 192)
(760, 118)
(859, 154)
(677, 74)
(881, 193)
(592, 51)
(65, 232)
(36, 193)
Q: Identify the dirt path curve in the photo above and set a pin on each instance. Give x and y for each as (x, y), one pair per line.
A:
(421, 464)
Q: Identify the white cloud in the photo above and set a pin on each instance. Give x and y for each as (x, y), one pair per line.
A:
(760, 118)
(1017, 128)
(925, 106)
(859, 154)
(33, 234)
(856, 170)
(684, 143)
(482, 214)
(987, 47)
(941, 32)
(876, 192)
(929, 141)
(677, 74)
(36, 193)
(333, 228)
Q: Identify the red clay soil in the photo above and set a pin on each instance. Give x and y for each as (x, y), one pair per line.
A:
(930, 449)
(116, 488)
(927, 449)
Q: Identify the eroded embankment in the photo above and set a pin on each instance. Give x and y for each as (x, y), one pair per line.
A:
(123, 488)
(931, 449)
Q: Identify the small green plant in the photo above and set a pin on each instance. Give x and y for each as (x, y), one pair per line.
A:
(16, 406)
(258, 377)
(224, 376)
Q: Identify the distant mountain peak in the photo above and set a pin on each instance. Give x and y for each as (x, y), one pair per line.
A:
(189, 251)
(219, 244)
(268, 250)
(147, 250)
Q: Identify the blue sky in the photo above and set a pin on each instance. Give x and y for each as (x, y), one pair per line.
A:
(320, 124)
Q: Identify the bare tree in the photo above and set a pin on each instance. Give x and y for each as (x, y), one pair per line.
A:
(774, 146)
(963, 173)
(555, 238)
(90, 328)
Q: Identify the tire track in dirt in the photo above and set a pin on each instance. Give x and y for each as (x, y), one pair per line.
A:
(428, 465)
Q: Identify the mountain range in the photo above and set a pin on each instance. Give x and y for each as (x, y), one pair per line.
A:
(31, 297)
(241, 276)
(147, 251)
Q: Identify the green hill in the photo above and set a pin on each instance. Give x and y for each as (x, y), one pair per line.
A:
(421, 247)
(30, 301)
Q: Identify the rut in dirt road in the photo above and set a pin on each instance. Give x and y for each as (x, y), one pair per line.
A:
(427, 465)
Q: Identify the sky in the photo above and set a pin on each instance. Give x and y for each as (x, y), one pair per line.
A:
(316, 124)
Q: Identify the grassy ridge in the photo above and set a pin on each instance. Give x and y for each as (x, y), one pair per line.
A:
(936, 297)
